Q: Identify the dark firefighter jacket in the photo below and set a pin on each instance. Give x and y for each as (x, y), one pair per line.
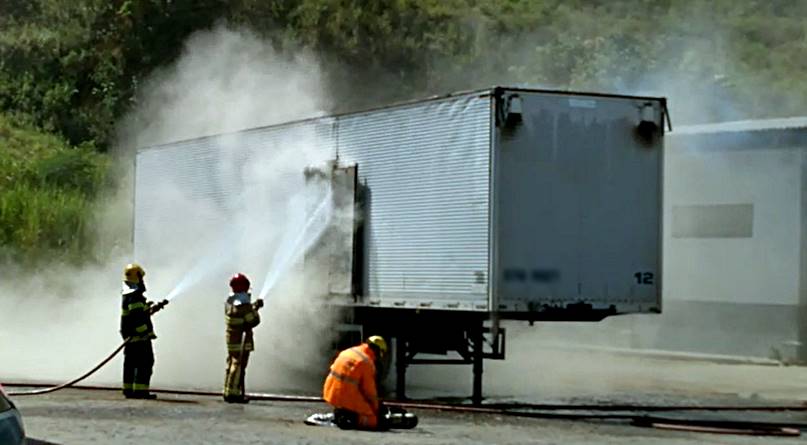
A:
(240, 316)
(135, 320)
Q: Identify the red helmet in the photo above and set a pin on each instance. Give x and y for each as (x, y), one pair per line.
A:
(239, 283)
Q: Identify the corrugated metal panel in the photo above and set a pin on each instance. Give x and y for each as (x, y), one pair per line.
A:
(190, 189)
(182, 172)
(427, 169)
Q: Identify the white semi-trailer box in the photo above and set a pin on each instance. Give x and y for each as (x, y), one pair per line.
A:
(502, 203)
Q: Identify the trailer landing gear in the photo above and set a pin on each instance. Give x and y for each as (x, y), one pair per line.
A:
(472, 345)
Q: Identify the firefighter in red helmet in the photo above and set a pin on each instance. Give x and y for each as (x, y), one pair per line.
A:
(241, 316)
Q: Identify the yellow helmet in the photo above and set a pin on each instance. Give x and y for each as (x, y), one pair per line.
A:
(379, 342)
(133, 273)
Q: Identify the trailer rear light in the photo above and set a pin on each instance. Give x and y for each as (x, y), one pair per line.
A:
(648, 128)
(514, 111)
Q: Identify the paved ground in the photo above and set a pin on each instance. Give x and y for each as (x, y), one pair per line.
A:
(548, 374)
(99, 417)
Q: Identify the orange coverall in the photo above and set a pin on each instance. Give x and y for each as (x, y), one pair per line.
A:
(350, 385)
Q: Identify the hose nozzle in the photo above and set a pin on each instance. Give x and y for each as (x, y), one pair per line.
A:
(156, 307)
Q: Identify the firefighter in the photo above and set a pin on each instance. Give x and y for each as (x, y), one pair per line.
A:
(240, 316)
(350, 387)
(137, 330)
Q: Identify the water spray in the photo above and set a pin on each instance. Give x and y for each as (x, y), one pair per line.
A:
(218, 254)
(211, 260)
(290, 252)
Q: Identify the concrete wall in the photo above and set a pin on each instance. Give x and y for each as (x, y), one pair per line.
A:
(734, 247)
(803, 272)
(735, 265)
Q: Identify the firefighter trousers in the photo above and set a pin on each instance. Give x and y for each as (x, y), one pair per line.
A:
(138, 361)
(236, 371)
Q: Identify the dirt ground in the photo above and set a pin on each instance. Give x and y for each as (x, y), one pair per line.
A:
(104, 417)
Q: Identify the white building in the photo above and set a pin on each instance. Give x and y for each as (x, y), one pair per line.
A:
(735, 239)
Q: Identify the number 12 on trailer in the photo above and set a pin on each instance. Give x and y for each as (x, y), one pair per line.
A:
(644, 278)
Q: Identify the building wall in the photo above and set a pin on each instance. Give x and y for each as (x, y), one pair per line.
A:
(803, 272)
(734, 250)
(747, 206)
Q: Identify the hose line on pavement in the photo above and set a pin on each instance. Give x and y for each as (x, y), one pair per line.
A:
(74, 381)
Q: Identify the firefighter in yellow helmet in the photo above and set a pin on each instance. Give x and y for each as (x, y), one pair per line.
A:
(240, 316)
(350, 387)
(137, 330)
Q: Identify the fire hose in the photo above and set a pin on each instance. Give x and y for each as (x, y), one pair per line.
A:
(152, 310)
(74, 381)
(636, 415)
(527, 410)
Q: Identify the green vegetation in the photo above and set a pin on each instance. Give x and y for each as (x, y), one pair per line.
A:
(47, 190)
(70, 69)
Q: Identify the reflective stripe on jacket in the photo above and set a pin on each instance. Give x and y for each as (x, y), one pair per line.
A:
(135, 318)
(351, 385)
(239, 320)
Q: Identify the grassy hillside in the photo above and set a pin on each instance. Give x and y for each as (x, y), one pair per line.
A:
(71, 69)
(76, 66)
(47, 189)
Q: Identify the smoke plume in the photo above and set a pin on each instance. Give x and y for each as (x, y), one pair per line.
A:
(225, 81)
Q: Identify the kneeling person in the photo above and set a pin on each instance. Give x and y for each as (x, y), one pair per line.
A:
(350, 387)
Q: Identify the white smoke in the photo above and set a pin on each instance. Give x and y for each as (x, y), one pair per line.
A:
(224, 81)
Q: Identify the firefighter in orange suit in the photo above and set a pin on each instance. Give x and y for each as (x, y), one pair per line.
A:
(137, 330)
(351, 386)
(241, 316)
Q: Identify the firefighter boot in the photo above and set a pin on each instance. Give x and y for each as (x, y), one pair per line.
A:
(236, 399)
